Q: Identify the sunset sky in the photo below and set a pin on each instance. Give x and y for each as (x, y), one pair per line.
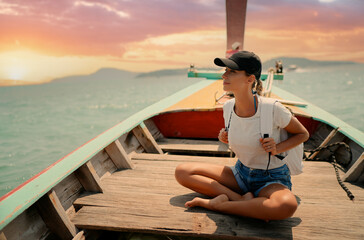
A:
(45, 39)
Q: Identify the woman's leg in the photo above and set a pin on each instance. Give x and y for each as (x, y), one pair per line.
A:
(209, 179)
(274, 202)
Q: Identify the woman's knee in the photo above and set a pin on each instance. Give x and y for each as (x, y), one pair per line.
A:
(182, 172)
(287, 205)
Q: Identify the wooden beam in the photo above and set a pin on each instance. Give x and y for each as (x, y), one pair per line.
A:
(325, 141)
(55, 217)
(193, 146)
(2, 236)
(88, 177)
(153, 129)
(355, 172)
(118, 155)
(79, 236)
(146, 140)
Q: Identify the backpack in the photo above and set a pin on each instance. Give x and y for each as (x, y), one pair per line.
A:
(293, 157)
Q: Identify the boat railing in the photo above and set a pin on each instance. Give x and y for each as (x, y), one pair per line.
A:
(268, 84)
(216, 75)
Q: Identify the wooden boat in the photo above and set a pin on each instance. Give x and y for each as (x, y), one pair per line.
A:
(122, 182)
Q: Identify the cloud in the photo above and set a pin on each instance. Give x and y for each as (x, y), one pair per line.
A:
(161, 28)
(326, 1)
(98, 27)
(310, 14)
(178, 49)
(305, 28)
(102, 6)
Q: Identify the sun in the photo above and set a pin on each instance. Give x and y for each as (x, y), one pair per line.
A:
(14, 66)
(15, 72)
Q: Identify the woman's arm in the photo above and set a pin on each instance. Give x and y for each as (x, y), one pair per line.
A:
(299, 135)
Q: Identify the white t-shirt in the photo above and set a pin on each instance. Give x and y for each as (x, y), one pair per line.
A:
(244, 135)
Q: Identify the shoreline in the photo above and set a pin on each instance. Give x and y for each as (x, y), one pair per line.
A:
(12, 83)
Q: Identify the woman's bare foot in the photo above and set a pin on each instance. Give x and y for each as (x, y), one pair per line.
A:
(207, 203)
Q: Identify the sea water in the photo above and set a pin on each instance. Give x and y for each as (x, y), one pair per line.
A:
(40, 124)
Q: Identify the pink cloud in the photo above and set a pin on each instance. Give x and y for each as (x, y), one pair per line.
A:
(105, 27)
(98, 27)
(308, 14)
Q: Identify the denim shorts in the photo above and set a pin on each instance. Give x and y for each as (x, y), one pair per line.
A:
(254, 180)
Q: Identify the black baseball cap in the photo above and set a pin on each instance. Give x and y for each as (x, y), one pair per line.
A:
(242, 61)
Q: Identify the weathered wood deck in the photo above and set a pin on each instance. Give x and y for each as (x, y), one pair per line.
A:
(148, 199)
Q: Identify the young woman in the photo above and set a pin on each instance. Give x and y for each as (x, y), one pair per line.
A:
(248, 188)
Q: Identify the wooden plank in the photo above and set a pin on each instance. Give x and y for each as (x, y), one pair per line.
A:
(159, 185)
(162, 173)
(318, 185)
(130, 143)
(194, 146)
(323, 181)
(146, 140)
(201, 222)
(321, 173)
(135, 199)
(157, 206)
(102, 164)
(2, 236)
(88, 177)
(79, 236)
(196, 223)
(55, 217)
(68, 190)
(182, 158)
(143, 185)
(118, 155)
(153, 129)
(356, 171)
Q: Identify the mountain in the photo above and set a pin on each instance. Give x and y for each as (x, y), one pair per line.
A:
(10, 82)
(117, 74)
(303, 62)
(163, 72)
(103, 73)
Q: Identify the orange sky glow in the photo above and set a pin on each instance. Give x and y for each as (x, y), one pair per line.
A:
(43, 40)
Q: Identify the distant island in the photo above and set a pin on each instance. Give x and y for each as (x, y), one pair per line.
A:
(109, 73)
(118, 74)
(287, 61)
(11, 82)
(304, 63)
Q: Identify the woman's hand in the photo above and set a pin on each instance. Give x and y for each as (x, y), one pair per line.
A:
(223, 136)
(269, 145)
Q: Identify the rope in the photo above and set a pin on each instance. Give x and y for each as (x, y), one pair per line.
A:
(332, 159)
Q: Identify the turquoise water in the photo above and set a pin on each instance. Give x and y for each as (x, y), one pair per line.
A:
(40, 124)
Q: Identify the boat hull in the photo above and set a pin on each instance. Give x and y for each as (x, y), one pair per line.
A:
(57, 188)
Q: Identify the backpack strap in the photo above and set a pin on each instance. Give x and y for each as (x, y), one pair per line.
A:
(266, 115)
(266, 120)
(228, 111)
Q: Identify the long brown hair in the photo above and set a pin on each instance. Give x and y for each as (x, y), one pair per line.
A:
(257, 85)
